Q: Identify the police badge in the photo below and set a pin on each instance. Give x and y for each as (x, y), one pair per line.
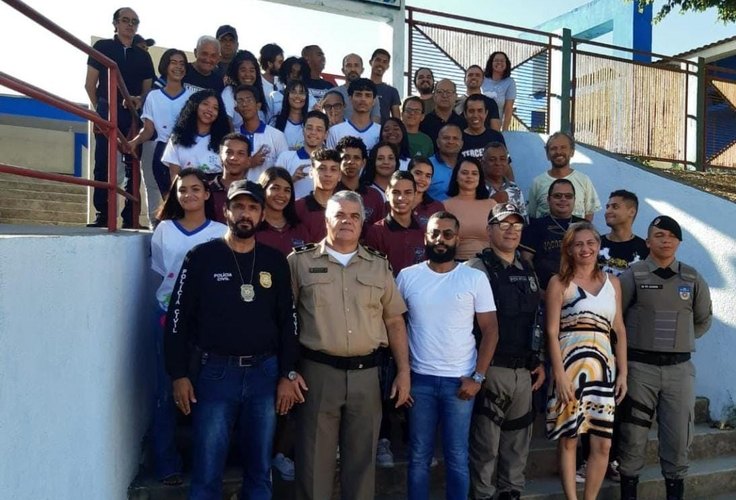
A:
(264, 279)
(685, 292)
(533, 284)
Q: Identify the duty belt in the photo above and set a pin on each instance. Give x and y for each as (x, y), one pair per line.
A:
(239, 361)
(513, 362)
(658, 358)
(342, 362)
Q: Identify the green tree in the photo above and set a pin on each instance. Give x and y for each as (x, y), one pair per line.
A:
(726, 8)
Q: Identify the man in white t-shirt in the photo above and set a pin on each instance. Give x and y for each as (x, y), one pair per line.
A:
(560, 148)
(299, 162)
(362, 94)
(447, 371)
(266, 142)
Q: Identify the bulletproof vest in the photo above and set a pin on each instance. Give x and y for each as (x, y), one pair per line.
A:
(660, 317)
(517, 296)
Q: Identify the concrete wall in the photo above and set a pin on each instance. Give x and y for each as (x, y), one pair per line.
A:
(708, 224)
(75, 358)
(36, 148)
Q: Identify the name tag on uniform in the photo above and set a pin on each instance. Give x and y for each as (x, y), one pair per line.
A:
(318, 270)
(650, 287)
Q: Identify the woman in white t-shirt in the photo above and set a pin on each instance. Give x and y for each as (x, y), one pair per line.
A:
(499, 86)
(243, 70)
(293, 114)
(160, 111)
(197, 134)
(187, 219)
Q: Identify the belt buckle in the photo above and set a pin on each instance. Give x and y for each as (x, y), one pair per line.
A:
(245, 361)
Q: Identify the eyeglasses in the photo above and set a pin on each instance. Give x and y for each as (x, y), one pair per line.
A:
(505, 226)
(447, 234)
(127, 20)
(559, 196)
(332, 107)
(245, 100)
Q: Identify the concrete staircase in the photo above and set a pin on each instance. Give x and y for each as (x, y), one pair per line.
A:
(712, 473)
(28, 201)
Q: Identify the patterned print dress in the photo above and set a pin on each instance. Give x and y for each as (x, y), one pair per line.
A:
(585, 326)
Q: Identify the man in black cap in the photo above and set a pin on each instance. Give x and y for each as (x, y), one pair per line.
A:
(228, 38)
(666, 306)
(501, 429)
(143, 43)
(231, 347)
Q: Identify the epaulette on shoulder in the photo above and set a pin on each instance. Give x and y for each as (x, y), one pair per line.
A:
(305, 248)
(375, 252)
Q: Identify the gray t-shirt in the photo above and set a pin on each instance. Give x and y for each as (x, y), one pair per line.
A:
(388, 96)
(348, 110)
(500, 91)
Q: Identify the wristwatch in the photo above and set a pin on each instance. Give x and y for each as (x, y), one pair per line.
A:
(478, 378)
(292, 375)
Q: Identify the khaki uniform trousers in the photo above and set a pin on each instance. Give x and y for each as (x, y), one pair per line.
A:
(492, 448)
(341, 407)
(668, 392)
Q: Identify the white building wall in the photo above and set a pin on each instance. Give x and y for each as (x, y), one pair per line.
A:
(708, 224)
(75, 362)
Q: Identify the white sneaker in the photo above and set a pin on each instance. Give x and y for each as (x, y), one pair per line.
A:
(581, 473)
(384, 457)
(284, 465)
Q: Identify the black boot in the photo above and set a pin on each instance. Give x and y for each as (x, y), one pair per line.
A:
(628, 487)
(509, 495)
(675, 488)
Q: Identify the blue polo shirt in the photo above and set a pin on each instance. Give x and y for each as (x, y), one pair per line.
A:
(440, 179)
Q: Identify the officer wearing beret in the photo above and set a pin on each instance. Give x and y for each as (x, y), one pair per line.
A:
(666, 306)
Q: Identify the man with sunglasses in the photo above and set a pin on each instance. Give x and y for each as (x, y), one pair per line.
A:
(136, 68)
(443, 299)
(560, 148)
(501, 429)
(542, 240)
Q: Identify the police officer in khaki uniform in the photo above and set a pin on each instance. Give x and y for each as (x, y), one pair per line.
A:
(666, 306)
(348, 306)
(501, 430)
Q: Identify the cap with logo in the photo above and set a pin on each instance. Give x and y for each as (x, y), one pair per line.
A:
(669, 224)
(503, 210)
(250, 188)
(226, 29)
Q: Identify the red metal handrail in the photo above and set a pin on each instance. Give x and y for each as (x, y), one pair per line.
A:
(108, 127)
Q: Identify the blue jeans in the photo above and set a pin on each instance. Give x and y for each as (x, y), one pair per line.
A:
(436, 403)
(166, 459)
(228, 395)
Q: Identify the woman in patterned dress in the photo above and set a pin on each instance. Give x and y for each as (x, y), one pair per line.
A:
(583, 311)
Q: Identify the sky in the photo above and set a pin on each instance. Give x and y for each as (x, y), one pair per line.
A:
(30, 53)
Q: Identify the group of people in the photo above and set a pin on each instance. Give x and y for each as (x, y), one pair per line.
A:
(331, 255)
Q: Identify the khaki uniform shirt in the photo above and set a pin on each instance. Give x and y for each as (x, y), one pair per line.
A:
(342, 308)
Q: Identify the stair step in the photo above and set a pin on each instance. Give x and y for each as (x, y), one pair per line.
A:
(8, 181)
(28, 222)
(707, 443)
(34, 206)
(24, 194)
(707, 478)
(41, 216)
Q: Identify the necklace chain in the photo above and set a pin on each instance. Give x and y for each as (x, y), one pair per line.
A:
(247, 292)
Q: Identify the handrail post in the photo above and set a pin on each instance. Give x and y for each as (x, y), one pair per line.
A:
(565, 84)
(112, 150)
(701, 162)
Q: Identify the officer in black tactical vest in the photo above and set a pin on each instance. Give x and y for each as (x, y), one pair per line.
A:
(666, 306)
(501, 429)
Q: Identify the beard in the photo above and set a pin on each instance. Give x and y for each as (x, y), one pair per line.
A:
(440, 257)
(240, 232)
